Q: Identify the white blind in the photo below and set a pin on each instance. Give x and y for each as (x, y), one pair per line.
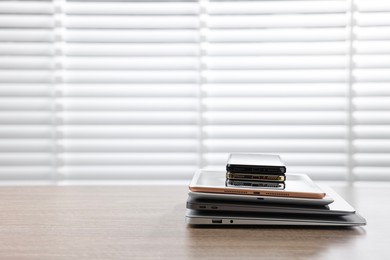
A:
(371, 90)
(129, 90)
(129, 96)
(27, 80)
(276, 82)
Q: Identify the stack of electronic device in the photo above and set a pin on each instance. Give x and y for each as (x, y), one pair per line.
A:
(256, 190)
(271, 174)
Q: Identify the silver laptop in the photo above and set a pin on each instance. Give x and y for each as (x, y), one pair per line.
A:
(338, 207)
(342, 214)
(194, 217)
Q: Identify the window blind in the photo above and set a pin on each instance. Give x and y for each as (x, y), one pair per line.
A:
(27, 69)
(277, 80)
(129, 105)
(371, 85)
(152, 90)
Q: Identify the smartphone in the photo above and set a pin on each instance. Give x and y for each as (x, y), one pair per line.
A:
(258, 184)
(255, 163)
(296, 185)
(255, 177)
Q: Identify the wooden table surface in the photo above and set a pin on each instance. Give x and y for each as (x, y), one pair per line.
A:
(147, 222)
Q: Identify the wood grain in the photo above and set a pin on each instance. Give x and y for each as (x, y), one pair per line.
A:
(140, 222)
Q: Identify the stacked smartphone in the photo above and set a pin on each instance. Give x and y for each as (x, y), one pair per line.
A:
(255, 170)
(256, 189)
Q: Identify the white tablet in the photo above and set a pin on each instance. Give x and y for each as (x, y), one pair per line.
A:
(295, 186)
(261, 199)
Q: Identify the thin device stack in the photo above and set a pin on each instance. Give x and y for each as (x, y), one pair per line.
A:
(242, 171)
(241, 196)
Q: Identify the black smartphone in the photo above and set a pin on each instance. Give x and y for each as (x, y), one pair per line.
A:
(255, 163)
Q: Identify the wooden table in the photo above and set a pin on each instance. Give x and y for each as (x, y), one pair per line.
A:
(142, 222)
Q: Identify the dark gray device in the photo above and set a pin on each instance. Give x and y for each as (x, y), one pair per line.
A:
(255, 163)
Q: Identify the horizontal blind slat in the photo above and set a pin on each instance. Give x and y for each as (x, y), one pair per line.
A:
(276, 90)
(372, 47)
(26, 21)
(131, 36)
(275, 118)
(129, 90)
(280, 35)
(132, 22)
(131, 49)
(276, 21)
(26, 49)
(29, 173)
(129, 118)
(141, 76)
(26, 7)
(130, 145)
(100, 172)
(112, 132)
(275, 104)
(23, 159)
(130, 159)
(279, 62)
(277, 76)
(275, 146)
(25, 90)
(26, 76)
(102, 104)
(133, 8)
(372, 6)
(274, 48)
(132, 63)
(272, 7)
(372, 131)
(26, 35)
(274, 132)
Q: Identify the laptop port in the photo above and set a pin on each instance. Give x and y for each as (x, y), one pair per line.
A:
(216, 221)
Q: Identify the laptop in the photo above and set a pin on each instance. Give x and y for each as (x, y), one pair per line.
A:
(237, 213)
(194, 217)
(338, 207)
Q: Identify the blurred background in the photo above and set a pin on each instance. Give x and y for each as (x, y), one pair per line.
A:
(116, 92)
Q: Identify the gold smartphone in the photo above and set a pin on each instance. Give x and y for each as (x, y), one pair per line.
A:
(296, 186)
(257, 184)
(255, 177)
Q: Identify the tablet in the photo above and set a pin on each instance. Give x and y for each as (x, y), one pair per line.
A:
(338, 208)
(261, 199)
(296, 186)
